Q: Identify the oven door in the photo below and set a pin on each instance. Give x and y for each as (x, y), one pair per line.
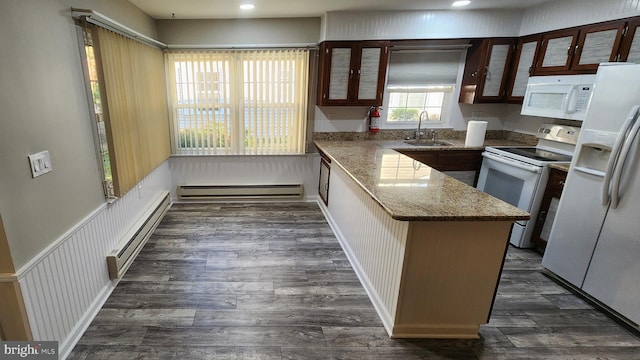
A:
(515, 182)
(509, 180)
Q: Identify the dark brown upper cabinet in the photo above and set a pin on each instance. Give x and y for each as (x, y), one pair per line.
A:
(579, 50)
(556, 51)
(630, 46)
(352, 72)
(486, 71)
(597, 44)
(524, 58)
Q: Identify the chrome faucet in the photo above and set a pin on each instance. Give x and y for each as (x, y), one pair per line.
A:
(418, 133)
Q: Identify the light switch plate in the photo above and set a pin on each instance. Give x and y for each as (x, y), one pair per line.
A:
(40, 163)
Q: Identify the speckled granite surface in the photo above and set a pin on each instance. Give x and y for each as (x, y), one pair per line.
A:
(411, 191)
(491, 135)
(563, 167)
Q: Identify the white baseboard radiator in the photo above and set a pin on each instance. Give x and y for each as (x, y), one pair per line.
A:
(123, 255)
(240, 192)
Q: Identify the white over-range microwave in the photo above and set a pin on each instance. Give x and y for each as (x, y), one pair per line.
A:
(559, 97)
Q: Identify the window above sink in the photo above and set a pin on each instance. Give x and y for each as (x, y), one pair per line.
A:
(419, 80)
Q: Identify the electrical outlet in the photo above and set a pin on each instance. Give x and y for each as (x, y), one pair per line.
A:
(475, 115)
(40, 163)
(331, 116)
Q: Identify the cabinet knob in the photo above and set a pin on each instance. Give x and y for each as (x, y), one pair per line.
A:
(561, 183)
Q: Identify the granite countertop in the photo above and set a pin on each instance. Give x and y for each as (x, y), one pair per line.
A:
(411, 191)
(456, 144)
(561, 167)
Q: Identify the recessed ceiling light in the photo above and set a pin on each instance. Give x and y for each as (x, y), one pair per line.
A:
(247, 6)
(461, 3)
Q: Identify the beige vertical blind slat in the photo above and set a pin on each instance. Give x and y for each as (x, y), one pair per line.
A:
(136, 117)
(257, 103)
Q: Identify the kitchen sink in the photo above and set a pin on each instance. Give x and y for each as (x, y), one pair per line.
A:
(426, 142)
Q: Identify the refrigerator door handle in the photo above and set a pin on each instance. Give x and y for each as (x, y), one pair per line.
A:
(624, 153)
(615, 151)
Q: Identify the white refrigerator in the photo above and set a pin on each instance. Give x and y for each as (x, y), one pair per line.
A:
(594, 243)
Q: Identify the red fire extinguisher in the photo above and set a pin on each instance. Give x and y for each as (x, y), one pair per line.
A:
(374, 119)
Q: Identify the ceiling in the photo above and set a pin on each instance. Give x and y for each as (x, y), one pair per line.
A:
(224, 9)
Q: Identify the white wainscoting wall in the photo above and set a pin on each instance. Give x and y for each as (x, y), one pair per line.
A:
(554, 15)
(373, 241)
(435, 24)
(66, 284)
(247, 170)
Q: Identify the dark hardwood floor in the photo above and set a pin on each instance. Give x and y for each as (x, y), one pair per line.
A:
(270, 281)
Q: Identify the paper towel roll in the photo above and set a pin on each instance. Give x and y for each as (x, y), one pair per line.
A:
(475, 133)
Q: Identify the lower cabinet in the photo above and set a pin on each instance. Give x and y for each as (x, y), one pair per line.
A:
(548, 208)
(323, 185)
(427, 279)
(463, 165)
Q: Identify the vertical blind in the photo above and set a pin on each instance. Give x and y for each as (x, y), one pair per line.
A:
(134, 106)
(251, 102)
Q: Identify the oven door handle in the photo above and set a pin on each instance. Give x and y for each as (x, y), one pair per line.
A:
(514, 163)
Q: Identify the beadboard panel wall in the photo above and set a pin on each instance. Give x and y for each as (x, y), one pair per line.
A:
(374, 242)
(227, 33)
(445, 24)
(65, 285)
(247, 170)
(436, 24)
(554, 15)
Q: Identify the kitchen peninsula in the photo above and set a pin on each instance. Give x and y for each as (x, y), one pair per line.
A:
(427, 248)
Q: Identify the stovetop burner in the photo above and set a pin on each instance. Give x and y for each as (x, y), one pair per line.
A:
(537, 154)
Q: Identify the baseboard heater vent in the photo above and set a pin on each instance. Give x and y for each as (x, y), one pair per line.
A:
(240, 192)
(123, 255)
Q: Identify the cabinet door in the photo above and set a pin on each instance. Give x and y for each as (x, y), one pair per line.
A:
(370, 72)
(523, 63)
(340, 72)
(323, 185)
(352, 72)
(486, 71)
(630, 47)
(459, 160)
(493, 84)
(597, 44)
(548, 209)
(335, 73)
(556, 51)
(470, 76)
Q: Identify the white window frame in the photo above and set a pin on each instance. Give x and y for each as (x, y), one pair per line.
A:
(444, 116)
(245, 86)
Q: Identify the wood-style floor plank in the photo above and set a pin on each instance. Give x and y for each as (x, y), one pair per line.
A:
(270, 281)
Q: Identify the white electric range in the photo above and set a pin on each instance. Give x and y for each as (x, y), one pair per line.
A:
(518, 175)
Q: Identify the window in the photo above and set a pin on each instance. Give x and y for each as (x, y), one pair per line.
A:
(420, 86)
(409, 103)
(126, 82)
(97, 114)
(238, 102)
